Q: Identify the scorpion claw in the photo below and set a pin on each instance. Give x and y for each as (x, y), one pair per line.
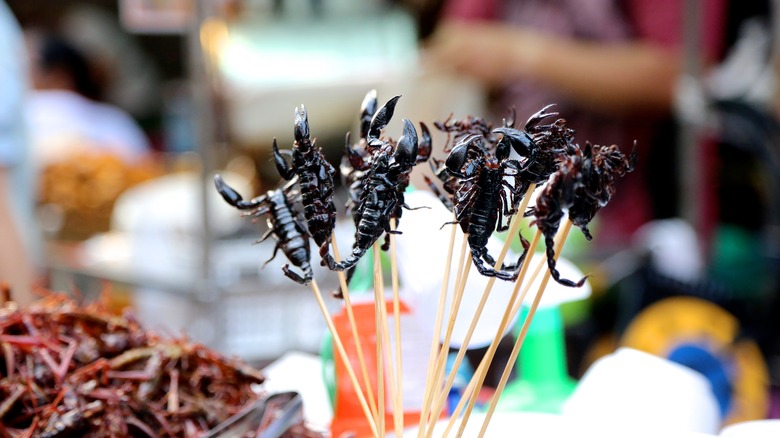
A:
(425, 145)
(534, 120)
(380, 120)
(367, 110)
(301, 130)
(406, 150)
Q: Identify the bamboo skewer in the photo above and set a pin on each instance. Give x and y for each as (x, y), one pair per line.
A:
(344, 358)
(464, 267)
(509, 314)
(560, 241)
(514, 226)
(433, 356)
(369, 393)
(398, 408)
(483, 366)
(379, 303)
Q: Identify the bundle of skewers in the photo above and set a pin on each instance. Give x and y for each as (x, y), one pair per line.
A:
(68, 369)
(487, 181)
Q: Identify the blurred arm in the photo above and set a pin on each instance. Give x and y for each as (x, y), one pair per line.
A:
(15, 268)
(615, 78)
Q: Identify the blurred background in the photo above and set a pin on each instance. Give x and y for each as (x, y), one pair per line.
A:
(129, 107)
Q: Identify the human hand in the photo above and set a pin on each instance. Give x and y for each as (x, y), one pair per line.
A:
(489, 52)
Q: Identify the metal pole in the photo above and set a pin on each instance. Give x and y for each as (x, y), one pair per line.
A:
(689, 152)
(203, 112)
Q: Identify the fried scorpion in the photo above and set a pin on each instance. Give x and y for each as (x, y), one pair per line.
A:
(284, 224)
(315, 178)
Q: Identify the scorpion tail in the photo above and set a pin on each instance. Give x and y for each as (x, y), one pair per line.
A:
(232, 197)
(292, 275)
(550, 243)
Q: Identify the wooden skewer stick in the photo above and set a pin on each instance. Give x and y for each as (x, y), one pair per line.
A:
(398, 408)
(379, 285)
(369, 393)
(433, 356)
(379, 303)
(344, 358)
(464, 267)
(513, 227)
(509, 314)
(560, 241)
(483, 366)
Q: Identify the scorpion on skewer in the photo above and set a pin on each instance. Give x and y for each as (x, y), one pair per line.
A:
(482, 198)
(357, 159)
(284, 223)
(545, 146)
(315, 178)
(378, 193)
(583, 184)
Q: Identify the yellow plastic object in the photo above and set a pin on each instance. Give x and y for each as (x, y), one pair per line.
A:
(672, 323)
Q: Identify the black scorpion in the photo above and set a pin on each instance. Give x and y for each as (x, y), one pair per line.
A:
(482, 199)
(284, 224)
(315, 177)
(583, 184)
(379, 196)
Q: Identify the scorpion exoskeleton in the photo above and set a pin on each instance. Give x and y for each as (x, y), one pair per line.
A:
(377, 193)
(583, 184)
(482, 198)
(284, 223)
(457, 130)
(315, 178)
(544, 146)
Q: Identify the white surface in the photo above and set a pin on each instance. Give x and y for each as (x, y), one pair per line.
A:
(422, 253)
(673, 247)
(172, 204)
(302, 373)
(540, 425)
(633, 390)
(752, 429)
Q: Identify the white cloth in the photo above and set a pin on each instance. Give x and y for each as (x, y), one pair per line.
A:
(62, 122)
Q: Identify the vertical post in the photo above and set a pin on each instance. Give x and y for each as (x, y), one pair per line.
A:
(203, 114)
(689, 169)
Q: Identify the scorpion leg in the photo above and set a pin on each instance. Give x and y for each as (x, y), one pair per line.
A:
(276, 249)
(477, 256)
(444, 199)
(265, 236)
(292, 275)
(285, 170)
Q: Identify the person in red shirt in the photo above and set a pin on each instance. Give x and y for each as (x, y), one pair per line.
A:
(612, 68)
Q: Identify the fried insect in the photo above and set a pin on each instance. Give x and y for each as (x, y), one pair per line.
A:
(544, 146)
(583, 184)
(483, 199)
(379, 192)
(315, 178)
(284, 223)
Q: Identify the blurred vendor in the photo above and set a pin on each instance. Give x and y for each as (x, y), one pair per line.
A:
(65, 115)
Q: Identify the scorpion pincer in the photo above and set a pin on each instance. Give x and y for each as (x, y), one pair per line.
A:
(315, 178)
(288, 229)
